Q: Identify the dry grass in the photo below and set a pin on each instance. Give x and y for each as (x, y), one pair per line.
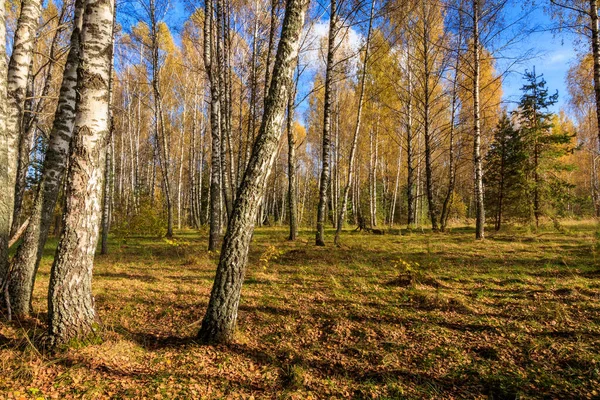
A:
(395, 316)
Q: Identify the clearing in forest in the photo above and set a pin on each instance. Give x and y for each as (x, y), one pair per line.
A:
(412, 315)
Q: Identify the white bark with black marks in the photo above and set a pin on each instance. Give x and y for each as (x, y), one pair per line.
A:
(29, 252)
(16, 86)
(5, 198)
(477, 159)
(220, 319)
(327, 111)
(71, 311)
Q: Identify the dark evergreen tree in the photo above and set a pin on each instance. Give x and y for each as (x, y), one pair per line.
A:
(543, 144)
(504, 175)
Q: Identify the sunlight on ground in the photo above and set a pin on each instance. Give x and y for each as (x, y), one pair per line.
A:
(417, 315)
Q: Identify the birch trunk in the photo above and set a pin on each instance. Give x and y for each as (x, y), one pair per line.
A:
(28, 128)
(477, 159)
(18, 72)
(159, 119)
(106, 198)
(325, 171)
(71, 310)
(361, 97)
(5, 198)
(596, 57)
(220, 73)
(410, 176)
(215, 167)
(30, 124)
(220, 319)
(292, 186)
(427, 130)
(29, 252)
(396, 185)
(451, 152)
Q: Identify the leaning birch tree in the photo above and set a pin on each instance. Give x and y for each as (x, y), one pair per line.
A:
(220, 319)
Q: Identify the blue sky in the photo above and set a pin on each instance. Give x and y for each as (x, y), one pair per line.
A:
(554, 54)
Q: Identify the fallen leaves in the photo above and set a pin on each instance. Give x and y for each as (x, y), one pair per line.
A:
(458, 322)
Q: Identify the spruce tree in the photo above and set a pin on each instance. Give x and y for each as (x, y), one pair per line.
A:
(504, 172)
(542, 144)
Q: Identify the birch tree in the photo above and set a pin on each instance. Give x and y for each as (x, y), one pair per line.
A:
(220, 319)
(327, 112)
(17, 78)
(357, 126)
(71, 311)
(29, 252)
(211, 67)
(5, 198)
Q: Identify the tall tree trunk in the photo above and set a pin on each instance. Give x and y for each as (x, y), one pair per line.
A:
(106, 198)
(109, 163)
(477, 159)
(30, 119)
(292, 186)
(181, 163)
(220, 68)
(29, 252)
(193, 167)
(220, 319)
(451, 152)
(5, 198)
(18, 71)
(429, 171)
(201, 172)
(28, 128)
(596, 57)
(229, 100)
(335, 162)
(268, 62)
(418, 200)
(427, 131)
(374, 174)
(253, 89)
(357, 125)
(71, 310)
(215, 132)
(396, 185)
(159, 118)
(410, 176)
(327, 108)
(501, 189)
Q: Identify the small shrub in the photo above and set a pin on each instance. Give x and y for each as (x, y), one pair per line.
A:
(270, 254)
(148, 221)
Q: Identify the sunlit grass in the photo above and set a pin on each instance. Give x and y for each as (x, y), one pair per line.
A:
(411, 315)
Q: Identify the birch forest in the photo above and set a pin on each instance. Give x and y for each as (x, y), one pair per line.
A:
(299, 199)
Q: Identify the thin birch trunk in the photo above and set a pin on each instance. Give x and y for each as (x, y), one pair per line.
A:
(17, 79)
(325, 171)
(215, 181)
(477, 159)
(5, 198)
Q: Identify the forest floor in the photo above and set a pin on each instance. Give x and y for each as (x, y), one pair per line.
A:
(412, 315)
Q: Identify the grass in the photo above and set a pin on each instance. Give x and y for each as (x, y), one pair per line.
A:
(413, 315)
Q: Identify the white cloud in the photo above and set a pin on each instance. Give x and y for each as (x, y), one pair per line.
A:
(314, 46)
